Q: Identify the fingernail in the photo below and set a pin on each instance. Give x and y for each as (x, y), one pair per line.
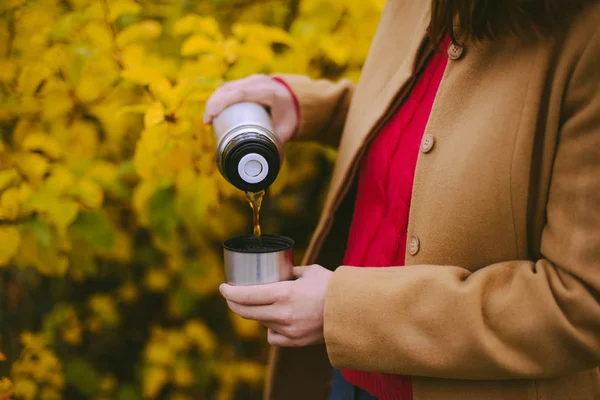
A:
(222, 289)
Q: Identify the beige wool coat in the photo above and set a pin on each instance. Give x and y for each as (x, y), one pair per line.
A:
(500, 295)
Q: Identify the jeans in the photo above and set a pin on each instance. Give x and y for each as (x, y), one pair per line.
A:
(341, 389)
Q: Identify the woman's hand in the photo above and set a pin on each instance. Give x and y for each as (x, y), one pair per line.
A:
(292, 310)
(258, 89)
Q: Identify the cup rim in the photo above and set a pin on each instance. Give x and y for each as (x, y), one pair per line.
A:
(288, 243)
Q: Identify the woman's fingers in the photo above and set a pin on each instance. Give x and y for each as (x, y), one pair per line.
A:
(264, 314)
(254, 295)
(259, 89)
(256, 88)
(277, 339)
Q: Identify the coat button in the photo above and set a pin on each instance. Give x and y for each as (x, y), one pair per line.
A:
(455, 51)
(414, 245)
(427, 143)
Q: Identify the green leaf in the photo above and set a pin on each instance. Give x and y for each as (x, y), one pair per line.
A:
(82, 376)
(94, 228)
(163, 212)
(40, 231)
(205, 372)
(128, 392)
(184, 302)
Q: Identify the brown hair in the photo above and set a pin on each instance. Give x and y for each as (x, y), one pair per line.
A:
(487, 19)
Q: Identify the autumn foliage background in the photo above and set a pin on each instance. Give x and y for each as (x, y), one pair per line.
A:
(111, 208)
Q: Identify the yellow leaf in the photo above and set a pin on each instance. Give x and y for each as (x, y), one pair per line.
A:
(197, 44)
(155, 114)
(206, 282)
(246, 328)
(8, 177)
(168, 95)
(104, 172)
(336, 49)
(99, 34)
(251, 372)
(141, 195)
(133, 56)
(10, 205)
(108, 384)
(104, 306)
(199, 334)
(24, 192)
(72, 333)
(144, 30)
(121, 250)
(128, 292)
(154, 379)
(208, 67)
(60, 179)
(133, 109)
(231, 50)
(54, 58)
(8, 70)
(98, 78)
(177, 340)
(31, 77)
(83, 139)
(57, 380)
(88, 192)
(2, 357)
(9, 4)
(183, 376)
(25, 389)
(156, 280)
(118, 8)
(262, 33)
(34, 166)
(174, 161)
(41, 142)
(142, 75)
(193, 23)
(180, 128)
(10, 239)
(196, 195)
(61, 212)
(55, 105)
(153, 140)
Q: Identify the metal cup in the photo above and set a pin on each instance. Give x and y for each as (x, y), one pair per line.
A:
(252, 261)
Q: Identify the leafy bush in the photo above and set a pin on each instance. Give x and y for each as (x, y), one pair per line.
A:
(111, 207)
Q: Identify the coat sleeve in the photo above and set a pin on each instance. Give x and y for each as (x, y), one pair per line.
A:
(323, 107)
(511, 320)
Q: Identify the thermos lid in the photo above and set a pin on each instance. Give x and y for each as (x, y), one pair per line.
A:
(253, 168)
(252, 165)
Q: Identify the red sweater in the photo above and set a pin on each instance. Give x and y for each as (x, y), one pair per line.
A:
(379, 225)
(380, 221)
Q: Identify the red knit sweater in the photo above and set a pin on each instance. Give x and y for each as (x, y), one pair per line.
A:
(379, 225)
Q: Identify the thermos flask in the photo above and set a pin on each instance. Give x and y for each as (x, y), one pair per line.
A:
(248, 153)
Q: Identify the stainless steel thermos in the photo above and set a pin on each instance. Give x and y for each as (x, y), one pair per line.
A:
(248, 154)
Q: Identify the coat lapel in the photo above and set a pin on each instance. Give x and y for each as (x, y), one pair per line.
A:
(388, 71)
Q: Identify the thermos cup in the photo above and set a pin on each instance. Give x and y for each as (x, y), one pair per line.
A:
(252, 261)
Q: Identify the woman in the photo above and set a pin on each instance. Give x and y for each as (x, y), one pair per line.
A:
(473, 175)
